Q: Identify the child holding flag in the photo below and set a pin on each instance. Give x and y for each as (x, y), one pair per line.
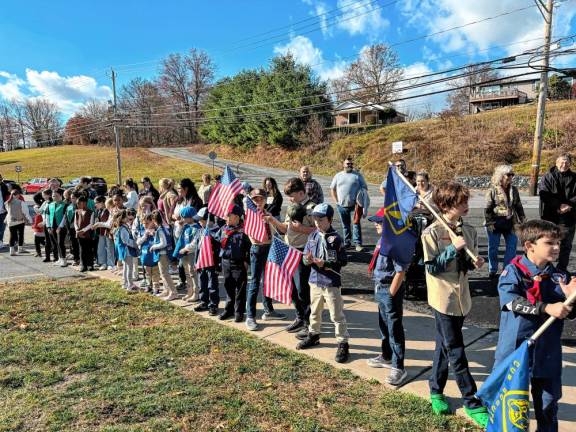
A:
(447, 266)
(235, 255)
(531, 289)
(325, 254)
(187, 233)
(207, 276)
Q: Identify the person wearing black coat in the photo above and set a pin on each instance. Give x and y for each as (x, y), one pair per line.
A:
(557, 191)
(274, 201)
(4, 194)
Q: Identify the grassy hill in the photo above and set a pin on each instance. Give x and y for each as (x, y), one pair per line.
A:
(445, 147)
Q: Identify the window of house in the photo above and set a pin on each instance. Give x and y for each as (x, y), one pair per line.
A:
(352, 118)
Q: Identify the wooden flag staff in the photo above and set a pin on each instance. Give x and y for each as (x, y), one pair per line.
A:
(434, 212)
(550, 320)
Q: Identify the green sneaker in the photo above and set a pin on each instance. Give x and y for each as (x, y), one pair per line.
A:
(440, 404)
(478, 415)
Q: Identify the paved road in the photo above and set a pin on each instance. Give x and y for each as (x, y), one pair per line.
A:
(355, 280)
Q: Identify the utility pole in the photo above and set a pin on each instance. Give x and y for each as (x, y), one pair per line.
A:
(116, 132)
(546, 12)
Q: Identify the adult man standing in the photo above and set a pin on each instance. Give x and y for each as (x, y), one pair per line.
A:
(313, 188)
(344, 189)
(4, 195)
(400, 165)
(557, 192)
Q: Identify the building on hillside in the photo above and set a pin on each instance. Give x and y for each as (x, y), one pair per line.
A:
(356, 113)
(506, 93)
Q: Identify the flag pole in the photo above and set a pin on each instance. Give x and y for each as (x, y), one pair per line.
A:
(550, 320)
(438, 217)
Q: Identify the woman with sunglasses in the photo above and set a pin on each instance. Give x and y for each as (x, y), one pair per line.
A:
(503, 211)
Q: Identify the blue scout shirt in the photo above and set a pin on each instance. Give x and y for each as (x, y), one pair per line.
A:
(328, 247)
(515, 328)
(186, 238)
(386, 268)
(214, 232)
(235, 245)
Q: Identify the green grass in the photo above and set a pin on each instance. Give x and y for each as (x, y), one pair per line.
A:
(68, 162)
(88, 356)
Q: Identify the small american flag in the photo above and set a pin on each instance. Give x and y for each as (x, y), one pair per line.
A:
(223, 194)
(254, 225)
(206, 254)
(280, 267)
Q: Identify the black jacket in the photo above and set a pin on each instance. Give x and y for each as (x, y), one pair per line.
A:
(558, 188)
(276, 206)
(4, 191)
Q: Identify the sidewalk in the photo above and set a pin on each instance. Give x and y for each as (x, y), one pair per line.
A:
(362, 317)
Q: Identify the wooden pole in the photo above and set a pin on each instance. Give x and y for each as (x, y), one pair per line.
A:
(550, 320)
(434, 213)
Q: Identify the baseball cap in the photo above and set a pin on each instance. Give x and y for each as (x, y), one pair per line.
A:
(323, 210)
(188, 212)
(202, 214)
(378, 217)
(237, 210)
(247, 187)
(258, 192)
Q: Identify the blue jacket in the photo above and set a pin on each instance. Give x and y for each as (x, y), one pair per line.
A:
(329, 248)
(186, 238)
(234, 246)
(518, 322)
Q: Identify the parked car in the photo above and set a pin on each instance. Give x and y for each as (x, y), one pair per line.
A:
(72, 183)
(34, 185)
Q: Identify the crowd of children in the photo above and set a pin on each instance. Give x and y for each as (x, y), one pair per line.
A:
(161, 233)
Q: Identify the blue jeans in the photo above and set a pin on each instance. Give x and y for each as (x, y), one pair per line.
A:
(493, 245)
(346, 214)
(545, 395)
(106, 251)
(390, 312)
(450, 351)
(258, 255)
(2, 225)
(209, 293)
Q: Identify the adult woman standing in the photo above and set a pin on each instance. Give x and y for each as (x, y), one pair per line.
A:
(274, 199)
(424, 189)
(205, 189)
(131, 189)
(167, 199)
(502, 212)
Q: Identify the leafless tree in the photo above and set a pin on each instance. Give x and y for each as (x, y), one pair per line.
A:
(375, 74)
(202, 71)
(339, 89)
(458, 100)
(42, 119)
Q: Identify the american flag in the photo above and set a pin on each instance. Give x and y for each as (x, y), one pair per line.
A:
(206, 254)
(280, 267)
(254, 225)
(223, 194)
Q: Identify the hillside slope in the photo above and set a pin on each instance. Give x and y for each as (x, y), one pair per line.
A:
(445, 147)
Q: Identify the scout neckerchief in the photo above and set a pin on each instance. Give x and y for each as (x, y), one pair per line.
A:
(532, 282)
(229, 232)
(374, 259)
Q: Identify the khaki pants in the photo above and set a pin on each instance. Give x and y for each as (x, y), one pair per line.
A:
(153, 276)
(333, 299)
(190, 271)
(164, 267)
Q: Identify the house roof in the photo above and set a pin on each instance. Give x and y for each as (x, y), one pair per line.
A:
(354, 105)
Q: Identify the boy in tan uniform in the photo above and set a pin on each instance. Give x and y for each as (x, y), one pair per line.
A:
(447, 266)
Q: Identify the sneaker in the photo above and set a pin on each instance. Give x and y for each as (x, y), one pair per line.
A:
(478, 415)
(310, 341)
(251, 324)
(13, 251)
(396, 377)
(238, 318)
(296, 326)
(63, 263)
(302, 334)
(133, 288)
(111, 268)
(342, 353)
(173, 271)
(57, 262)
(225, 315)
(102, 267)
(181, 286)
(171, 296)
(212, 311)
(270, 316)
(439, 404)
(84, 269)
(359, 248)
(379, 362)
(201, 308)
(47, 259)
(37, 255)
(144, 284)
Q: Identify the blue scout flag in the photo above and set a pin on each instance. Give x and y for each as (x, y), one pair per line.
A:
(505, 393)
(398, 238)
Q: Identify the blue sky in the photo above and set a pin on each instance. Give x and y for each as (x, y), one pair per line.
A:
(61, 49)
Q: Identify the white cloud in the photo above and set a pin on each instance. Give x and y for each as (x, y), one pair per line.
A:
(10, 88)
(306, 53)
(68, 93)
(438, 15)
(361, 17)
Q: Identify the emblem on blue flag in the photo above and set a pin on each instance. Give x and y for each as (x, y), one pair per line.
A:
(398, 238)
(505, 393)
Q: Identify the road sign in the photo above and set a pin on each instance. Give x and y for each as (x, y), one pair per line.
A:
(212, 155)
(18, 168)
(397, 147)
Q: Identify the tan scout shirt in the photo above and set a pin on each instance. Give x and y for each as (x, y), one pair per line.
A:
(296, 239)
(448, 291)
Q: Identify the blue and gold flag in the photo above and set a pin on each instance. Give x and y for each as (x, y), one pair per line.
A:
(398, 238)
(505, 393)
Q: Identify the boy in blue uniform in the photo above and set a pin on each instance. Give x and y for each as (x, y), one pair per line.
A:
(388, 276)
(207, 276)
(183, 249)
(235, 255)
(531, 289)
(326, 255)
